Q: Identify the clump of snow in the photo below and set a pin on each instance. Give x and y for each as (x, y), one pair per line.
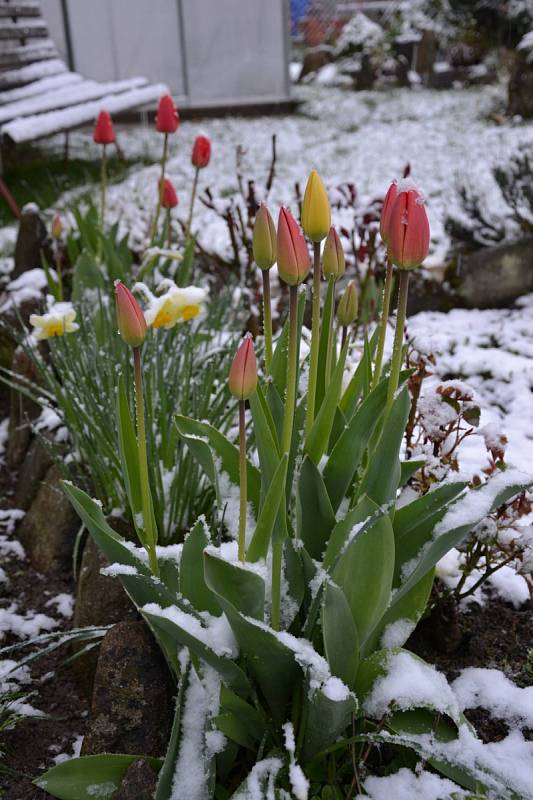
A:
(359, 34)
(397, 633)
(410, 683)
(64, 604)
(27, 286)
(99, 790)
(505, 583)
(4, 432)
(261, 781)
(215, 632)
(25, 625)
(113, 570)
(407, 785)
(491, 689)
(75, 750)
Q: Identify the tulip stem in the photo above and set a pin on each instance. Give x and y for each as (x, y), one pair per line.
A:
(396, 362)
(267, 319)
(383, 324)
(191, 208)
(103, 185)
(168, 235)
(277, 555)
(292, 368)
(315, 341)
(331, 343)
(161, 189)
(243, 477)
(149, 529)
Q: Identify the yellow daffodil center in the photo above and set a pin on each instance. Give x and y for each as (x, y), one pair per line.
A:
(56, 328)
(165, 315)
(189, 312)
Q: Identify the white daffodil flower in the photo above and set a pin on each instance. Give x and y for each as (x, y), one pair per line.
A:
(58, 321)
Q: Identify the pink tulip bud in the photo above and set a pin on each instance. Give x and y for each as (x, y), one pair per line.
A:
(201, 152)
(408, 227)
(167, 117)
(333, 261)
(293, 256)
(169, 197)
(103, 130)
(131, 321)
(388, 203)
(243, 372)
(57, 227)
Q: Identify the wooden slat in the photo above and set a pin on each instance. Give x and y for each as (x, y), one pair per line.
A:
(17, 55)
(33, 72)
(68, 96)
(40, 87)
(32, 29)
(29, 129)
(19, 10)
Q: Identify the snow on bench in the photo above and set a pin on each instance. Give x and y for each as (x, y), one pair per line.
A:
(67, 96)
(27, 9)
(29, 29)
(37, 126)
(40, 87)
(33, 72)
(14, 54)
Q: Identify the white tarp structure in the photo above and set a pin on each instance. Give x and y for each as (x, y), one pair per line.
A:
(211, 53)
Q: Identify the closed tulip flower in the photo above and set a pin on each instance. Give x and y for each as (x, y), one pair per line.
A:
(333, 261)
(388, 202)
(316, 212)
(348, 305)
(264, 240)
(57, 227)
(201, 152)
(408, 233)
(167, 118)
(243, 372)
(293, 256)
(103, 130)
(169, 198)
(131, 322)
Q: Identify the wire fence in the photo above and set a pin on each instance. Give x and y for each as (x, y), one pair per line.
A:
(314, 22)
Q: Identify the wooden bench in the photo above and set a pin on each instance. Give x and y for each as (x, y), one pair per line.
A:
(39, 95)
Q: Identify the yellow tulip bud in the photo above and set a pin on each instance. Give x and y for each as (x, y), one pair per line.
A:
(316, 213)
(348, 305)
(264, 239)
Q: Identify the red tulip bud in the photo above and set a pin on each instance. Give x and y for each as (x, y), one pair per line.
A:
(243, 371)
(169, 198)
(57, 227)
(388, 203)
(131, 321)
(167, 118)
(103, 129)
(293, 256)
(408, 227)
(201, 152)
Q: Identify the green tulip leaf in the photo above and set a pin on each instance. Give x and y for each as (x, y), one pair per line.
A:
(192, 583)
(236, 583)
(88, 777)
(341, 641)
(314, 514)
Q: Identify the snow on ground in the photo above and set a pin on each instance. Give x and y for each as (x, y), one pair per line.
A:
(364, 137)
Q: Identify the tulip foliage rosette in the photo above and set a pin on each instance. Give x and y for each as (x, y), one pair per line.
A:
(285, 619)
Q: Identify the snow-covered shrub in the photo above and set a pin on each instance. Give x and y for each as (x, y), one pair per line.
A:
(359, 35)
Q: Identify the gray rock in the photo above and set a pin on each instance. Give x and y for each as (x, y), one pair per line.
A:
(521, 86)
(21, 412)
(495, 276)
(131, 710)
(31, 241)
(36, 463)
(100, 600)
(138, 783)
(48, 531)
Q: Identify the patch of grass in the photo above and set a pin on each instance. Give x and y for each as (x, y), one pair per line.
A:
(37, 177)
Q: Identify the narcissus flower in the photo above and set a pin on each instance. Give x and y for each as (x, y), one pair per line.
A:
(58, 321)
(333, 261)
(167, 117)
(131, 322)
(348, 305)
(57, 227)
(177, 304)
(264, 240)
(316, 212)
(388, 202)
(103, 130)
(243, 372)
(201, 152)
(408, 231)
(169, 198)
(293, 256)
